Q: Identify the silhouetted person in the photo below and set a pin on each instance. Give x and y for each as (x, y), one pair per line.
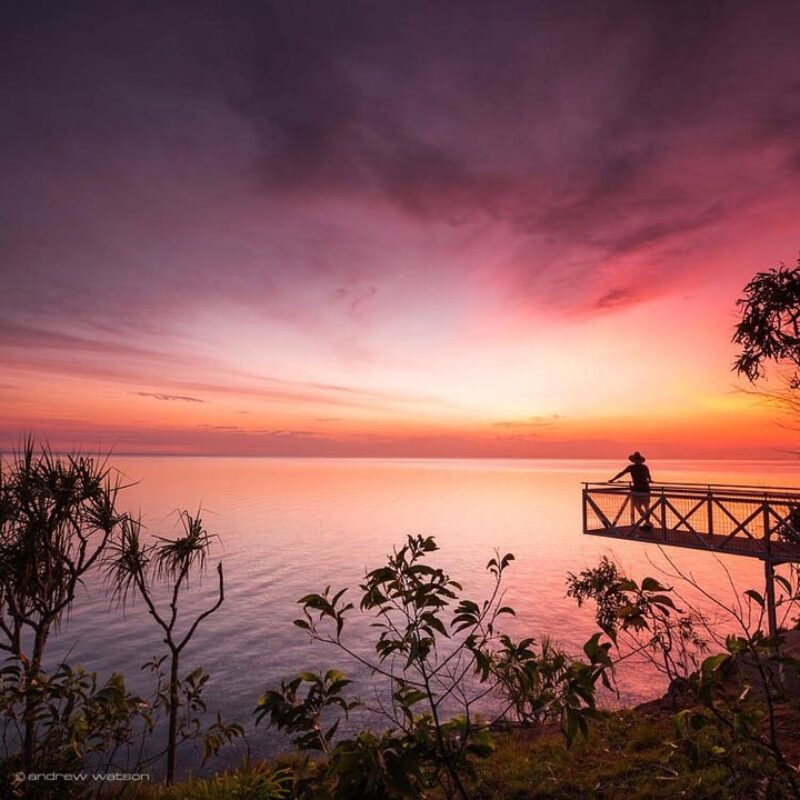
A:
(640, 486)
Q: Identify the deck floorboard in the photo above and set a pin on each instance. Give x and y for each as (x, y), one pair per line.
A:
(740, 545)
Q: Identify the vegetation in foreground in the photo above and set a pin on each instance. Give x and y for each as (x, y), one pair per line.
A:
(629, 755)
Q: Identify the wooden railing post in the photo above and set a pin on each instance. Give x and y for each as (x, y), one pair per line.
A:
(663, 516)
(630, 496)
(585, 505)
(710, 512)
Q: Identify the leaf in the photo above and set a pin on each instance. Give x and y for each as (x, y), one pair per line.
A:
(332, 732)
(713, 663)
(482, 665)
(662, 600)
(754, 595)
(334, 676)
(435, 623)
(652, 585)
(338, 596)
(411, 697)
(381, 575)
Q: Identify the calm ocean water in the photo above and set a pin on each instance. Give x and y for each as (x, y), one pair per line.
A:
(288, 527)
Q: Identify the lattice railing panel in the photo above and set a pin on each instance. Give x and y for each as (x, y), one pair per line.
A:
(730, 520)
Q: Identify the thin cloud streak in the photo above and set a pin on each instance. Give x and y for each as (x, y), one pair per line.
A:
(170, 397)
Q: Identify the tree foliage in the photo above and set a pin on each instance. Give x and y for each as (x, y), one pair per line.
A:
(447, 672)
(730, 699)
(137, 568)
(769, 328)
(57, 517)
(641, 619)
(78, 720)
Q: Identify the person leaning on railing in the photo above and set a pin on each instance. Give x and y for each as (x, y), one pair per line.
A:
(640, 486)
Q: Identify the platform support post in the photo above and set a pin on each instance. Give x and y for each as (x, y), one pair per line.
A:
(585, 503)
(772, 618)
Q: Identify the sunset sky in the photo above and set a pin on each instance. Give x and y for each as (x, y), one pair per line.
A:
(392, 228)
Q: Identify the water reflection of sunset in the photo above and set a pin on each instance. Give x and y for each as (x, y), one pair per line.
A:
(291, 526)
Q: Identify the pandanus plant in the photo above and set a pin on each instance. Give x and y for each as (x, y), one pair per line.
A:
(57, 517)
(138, 568)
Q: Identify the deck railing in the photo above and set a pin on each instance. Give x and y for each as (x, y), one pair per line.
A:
(758, 521)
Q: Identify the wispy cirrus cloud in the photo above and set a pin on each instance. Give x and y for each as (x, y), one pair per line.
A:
(269, 433)
(529, 422)
(171, 397)
(30, 348)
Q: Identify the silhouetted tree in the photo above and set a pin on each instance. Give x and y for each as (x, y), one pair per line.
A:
(135, 568)
(769, 329)
(57, 516)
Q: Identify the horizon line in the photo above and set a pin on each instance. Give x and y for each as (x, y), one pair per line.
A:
(786, 457)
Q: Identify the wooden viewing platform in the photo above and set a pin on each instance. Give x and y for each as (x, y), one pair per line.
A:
(757, 521)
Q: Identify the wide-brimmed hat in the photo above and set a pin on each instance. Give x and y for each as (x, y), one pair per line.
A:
(637, 458)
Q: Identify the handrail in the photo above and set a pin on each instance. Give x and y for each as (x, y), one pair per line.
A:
(722, 489)
(706, 485)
